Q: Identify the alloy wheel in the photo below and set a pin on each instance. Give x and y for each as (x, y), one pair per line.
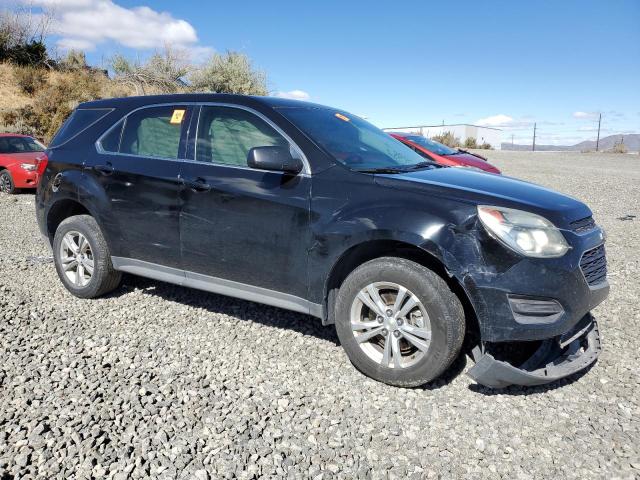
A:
(390, 324)
(76, 258)
(5, 183)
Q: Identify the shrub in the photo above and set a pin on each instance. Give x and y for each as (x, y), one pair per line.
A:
(447, 138)
(231, 72)
(470, 142)
(73, 60)
(486, 146)
(29, 54)
(30, 79)
(619, 148)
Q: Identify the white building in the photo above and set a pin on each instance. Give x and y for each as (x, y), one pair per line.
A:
(493, 136)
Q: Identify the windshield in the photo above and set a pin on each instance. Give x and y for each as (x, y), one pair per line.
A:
(431, 145)
(20, 145)
(352, 141)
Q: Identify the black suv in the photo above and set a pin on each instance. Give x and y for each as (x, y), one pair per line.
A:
(312, 209)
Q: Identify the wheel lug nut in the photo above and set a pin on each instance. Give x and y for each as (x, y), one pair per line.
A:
(380, 319)
(389, 312)
(396, 333)
(384, 332)
(399, 321)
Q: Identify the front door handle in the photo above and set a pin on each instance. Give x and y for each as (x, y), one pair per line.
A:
(197, 185)
(104, 169)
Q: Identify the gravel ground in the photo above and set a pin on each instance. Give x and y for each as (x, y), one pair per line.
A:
(161, 381)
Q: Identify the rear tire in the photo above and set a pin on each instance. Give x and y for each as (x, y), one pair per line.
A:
(82, 258)
(410, 338)
(6, 183)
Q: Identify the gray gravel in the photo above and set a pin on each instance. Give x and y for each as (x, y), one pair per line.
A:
(161, 381)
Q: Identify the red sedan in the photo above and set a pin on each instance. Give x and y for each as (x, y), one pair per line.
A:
(20, 156)
(443, 154)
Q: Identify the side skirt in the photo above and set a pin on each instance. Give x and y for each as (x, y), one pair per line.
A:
(217, 285)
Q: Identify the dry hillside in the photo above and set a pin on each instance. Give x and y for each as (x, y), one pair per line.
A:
(37, 101)
(11, 95)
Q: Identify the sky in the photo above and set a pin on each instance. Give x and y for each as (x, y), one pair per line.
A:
(505, 64)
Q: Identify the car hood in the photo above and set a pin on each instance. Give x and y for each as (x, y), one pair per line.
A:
(478, 188)
(472, 161)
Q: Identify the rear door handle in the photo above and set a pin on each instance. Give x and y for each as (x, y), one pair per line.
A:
(104, 169)
(197, 185)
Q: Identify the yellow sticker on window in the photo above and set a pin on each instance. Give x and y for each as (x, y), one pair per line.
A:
(342, 117)
(177, 117)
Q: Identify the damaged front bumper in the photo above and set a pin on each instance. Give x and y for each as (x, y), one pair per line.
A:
(556, 358)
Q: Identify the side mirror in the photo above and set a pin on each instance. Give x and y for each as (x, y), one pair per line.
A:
(276, 159)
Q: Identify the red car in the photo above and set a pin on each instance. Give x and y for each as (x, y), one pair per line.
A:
(442, 154)
(20, 156)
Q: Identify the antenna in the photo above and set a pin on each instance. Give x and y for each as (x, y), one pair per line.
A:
(598, 139)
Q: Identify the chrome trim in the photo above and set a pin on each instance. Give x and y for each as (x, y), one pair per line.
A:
(303, 157)
(226, 165)
(217, 285)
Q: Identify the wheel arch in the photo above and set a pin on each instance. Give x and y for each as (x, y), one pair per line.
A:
(60, 211)
(370, 250)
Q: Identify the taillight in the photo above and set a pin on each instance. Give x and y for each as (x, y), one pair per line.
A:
(41, 164)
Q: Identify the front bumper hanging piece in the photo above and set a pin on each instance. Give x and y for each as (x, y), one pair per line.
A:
(556, 358)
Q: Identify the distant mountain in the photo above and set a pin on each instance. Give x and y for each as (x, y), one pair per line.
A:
(631, 141)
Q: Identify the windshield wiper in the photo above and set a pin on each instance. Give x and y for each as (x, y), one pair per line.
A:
(403, 169)
(421, 165)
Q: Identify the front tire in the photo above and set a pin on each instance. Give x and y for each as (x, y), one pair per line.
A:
(6, 183)
(399, 322)
(82, 258)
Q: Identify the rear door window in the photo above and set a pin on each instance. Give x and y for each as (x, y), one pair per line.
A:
(153, 132)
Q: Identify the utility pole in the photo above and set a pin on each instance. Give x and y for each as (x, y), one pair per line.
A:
(512, 139)
(598, 139)
(534, 137)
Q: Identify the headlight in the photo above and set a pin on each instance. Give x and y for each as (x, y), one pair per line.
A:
(29, 167)
(526, 233)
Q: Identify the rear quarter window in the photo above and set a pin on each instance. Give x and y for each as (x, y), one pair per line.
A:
(78, 122)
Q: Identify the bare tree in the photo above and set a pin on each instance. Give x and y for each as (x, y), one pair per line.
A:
(19, 25)
(23, 34)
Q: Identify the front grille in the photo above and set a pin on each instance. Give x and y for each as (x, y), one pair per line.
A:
(583, 225)
(594, 265)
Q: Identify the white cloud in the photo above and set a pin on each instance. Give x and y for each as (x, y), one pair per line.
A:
(585, 115)
(88, 23)
(504, 121)
(499, 120)
(75, 44)
(294, 95)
